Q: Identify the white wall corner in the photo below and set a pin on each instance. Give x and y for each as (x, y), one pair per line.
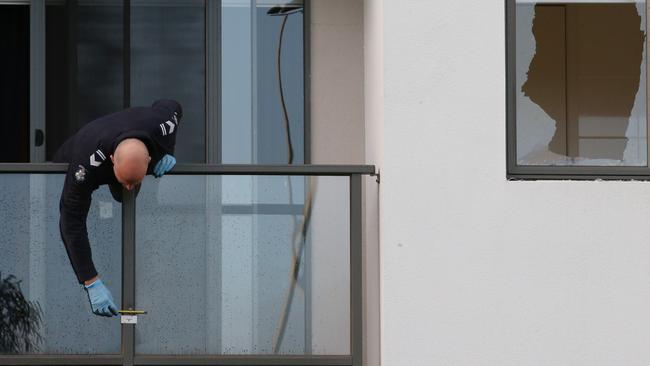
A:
(373, 42)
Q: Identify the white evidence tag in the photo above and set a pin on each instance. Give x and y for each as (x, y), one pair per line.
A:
(129, 319)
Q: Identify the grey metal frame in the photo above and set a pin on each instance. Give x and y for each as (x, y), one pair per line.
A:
(356, 270)
(213, 81)
(181, 360)
(213, 130)
(518, 172)
(37, 78)
(128, 356)
(307, 80)
(218, 169)
(128, 273)
(306, 36)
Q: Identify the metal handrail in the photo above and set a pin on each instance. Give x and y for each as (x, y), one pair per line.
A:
(217, 169)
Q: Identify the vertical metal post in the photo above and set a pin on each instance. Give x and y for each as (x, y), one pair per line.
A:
(307, 267)
(255, 159)
(254, 83)
(128, 273)
(213, 81)
(128, 205)
(306, 41)
(356, 271)
(306, 49)
(37, 78)
(213, 202)
(511, 83)
(645, 82)
(37, 182)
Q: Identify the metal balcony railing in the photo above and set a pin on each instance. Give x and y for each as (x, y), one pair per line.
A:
(131, 351)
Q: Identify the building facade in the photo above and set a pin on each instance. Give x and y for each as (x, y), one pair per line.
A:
(507, 224)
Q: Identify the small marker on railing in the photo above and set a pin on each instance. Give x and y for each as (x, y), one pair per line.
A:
(132, 312)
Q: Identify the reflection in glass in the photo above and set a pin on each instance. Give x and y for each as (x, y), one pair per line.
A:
(168, 62)
(254, 123)
(84, 59)
(20, 319)
(215, 267)
(32, 252)
(14, 92)
(581, 75)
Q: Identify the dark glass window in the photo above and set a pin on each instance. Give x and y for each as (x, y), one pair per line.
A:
(14, 76)
(96, 64)
(84, 68)
(168, 61)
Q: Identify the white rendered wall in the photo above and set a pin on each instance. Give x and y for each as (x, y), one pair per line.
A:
(477, 270)
(337, 82)
(373, 45)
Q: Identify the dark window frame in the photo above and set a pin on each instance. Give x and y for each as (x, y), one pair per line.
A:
(522, 172)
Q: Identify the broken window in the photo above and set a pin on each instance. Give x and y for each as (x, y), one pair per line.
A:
(580, 95)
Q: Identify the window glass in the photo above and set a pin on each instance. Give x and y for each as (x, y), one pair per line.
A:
(42, 281)
(261, 76)
(219, 279)
(14, 74)
(256, 118)
(84, 66)
(168, 61)
(581, 83)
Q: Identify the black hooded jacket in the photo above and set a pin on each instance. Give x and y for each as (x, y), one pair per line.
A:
(88, 154)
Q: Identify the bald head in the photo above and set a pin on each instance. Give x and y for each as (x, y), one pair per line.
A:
(130, 161)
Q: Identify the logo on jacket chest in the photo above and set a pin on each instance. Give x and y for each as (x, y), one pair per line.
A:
(80, 174)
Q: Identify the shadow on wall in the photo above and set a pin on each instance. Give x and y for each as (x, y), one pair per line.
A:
(20, 319)
(586, 67)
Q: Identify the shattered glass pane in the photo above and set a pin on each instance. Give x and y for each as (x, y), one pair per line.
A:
(581, 76)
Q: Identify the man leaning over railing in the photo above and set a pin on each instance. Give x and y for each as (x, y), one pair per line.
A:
(119, 150)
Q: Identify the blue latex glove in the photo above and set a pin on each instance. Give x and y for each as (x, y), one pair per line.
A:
(164, 165)
(100, 299)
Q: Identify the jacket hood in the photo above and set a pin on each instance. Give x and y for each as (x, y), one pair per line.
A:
(170, 106)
